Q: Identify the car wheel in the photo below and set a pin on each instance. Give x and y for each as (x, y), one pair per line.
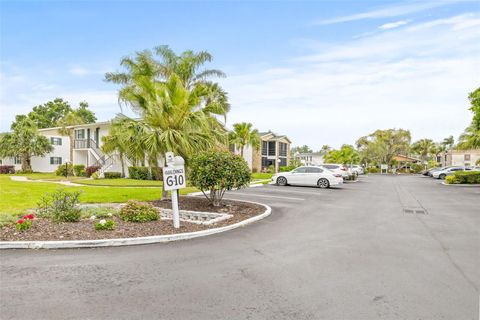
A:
(281, 181)
(442, 176)
(323, 183)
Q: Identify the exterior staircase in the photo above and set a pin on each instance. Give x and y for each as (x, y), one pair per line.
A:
(103, 161)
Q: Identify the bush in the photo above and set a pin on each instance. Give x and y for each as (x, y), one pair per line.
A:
(157, 173)
(95, 176)
(91, 170)
(64, 170)
(61, 206)
(79, 170)
(372, 170)
(112, 175)
(135, 211)
(416, 168)
(99, 212)
(287, 168)
(7, 169)
(217, 172)
(464, 177)
(139, 173)
(23, 224)
(104, 225)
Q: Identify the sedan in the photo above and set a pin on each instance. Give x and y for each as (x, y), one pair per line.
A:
(442, 174)
(308, 176)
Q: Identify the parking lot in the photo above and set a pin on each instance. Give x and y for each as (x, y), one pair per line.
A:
(385, 247)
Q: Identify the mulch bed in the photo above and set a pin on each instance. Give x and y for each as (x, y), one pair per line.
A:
(43, 229)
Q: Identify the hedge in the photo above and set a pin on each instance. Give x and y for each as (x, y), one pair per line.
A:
(91, 170)
(139, 173)
(79, 170)
(112, 175)
(464, 177)
(7, 169)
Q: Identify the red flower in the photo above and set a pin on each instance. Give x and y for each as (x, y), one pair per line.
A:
(30, 217)
(20, 221)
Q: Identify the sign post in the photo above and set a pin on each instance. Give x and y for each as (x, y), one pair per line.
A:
(174, 179)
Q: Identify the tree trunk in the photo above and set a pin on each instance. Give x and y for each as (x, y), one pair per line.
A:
(123, 164)
(26, 163)
(241, 151)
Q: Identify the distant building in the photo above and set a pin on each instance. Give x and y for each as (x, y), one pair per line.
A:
(274, 151)
(309, 159)
(459, 157)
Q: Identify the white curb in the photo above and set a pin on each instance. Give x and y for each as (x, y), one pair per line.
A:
(460, 185)
(130, 241)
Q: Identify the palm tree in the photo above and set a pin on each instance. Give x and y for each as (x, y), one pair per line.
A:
(117, 142)
(423, 147)
(448, 142)
(66, 129)
(25, 142)
(469, 139)
(243, 135)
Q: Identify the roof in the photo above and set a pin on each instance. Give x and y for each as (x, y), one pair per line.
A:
(274, 136)
(78, 125)
(407, 158)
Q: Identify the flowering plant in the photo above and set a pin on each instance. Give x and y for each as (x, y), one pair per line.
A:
(23, 224)
(104, 225)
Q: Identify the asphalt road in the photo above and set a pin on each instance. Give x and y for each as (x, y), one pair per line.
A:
(349, 253)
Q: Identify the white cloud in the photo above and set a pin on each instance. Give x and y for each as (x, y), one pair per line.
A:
(417, 79)
(388, 12)
(393, 25)
(79, 71)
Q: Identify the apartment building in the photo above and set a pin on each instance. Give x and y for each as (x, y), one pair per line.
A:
(459, 157)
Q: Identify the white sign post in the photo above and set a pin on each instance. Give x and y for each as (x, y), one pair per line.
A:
(174, 179)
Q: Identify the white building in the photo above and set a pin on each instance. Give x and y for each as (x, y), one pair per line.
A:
(83, 147)
(459, 157)
(309, 159)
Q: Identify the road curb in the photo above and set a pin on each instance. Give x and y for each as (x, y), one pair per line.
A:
(68, 244)
(461, 185)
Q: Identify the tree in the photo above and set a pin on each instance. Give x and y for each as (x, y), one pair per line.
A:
(424, 148)
(243, 135)
(48, 114)
(470, 138)
(65, 124)
(215, 172)
(301, 149)
(325, 148)
(382, 145)
(25, 142)
(448, 142)
(178, 108)
(346, 155)
(117, 142)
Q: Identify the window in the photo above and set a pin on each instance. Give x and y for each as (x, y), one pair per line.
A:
(300, 170)
(466, 157)
(330, 166)
(55, 160)
(271, 148)
(80, 134)
(283, 149)
(56, 141)
(264, 148)
(314, 170)
(283, 162)
(17, 160)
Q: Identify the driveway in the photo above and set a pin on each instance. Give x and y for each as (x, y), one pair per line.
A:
(386, 247)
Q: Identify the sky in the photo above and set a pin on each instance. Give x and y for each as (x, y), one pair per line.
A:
(320, 72)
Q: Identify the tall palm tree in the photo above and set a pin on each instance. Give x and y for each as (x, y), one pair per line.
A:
(469, 139)
(117, 142)
(66, 129)
(448, 142)
(243, 135)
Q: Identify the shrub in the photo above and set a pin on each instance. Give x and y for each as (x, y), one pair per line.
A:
(95, 175)
(91, 170)
(157, 173)
(65, 170)
(61, 206)
(372, 170)
(416, 168)
(79, 170)
(23, 224)
(287, 168)
(112, 175)
(99, 212)
(135, 211)
(139, 173)
(464, 177)
(7, 169)
(217, 172)
(104, 225)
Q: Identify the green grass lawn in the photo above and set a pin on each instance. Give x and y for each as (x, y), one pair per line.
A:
(261, 176)
(16, 196)
(120, 182)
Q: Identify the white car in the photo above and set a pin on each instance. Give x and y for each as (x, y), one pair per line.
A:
(308, 176)
(355, 168)
(442, 174)
(337, 168)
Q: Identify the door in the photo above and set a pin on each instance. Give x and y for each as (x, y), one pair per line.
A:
(298, 176)
(313, 175)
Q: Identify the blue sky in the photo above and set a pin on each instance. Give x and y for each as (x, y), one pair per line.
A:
(320, 72)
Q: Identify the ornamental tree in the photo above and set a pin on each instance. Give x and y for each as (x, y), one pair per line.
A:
(217, 172)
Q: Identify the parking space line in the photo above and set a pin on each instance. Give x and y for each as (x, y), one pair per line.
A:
(288, 191)
(264, 196)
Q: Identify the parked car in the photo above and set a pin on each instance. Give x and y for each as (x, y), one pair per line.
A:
(308, 176)
(355, 168)
(338, 169)
(442, 174)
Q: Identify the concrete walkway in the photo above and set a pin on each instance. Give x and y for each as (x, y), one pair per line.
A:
(63, 182)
